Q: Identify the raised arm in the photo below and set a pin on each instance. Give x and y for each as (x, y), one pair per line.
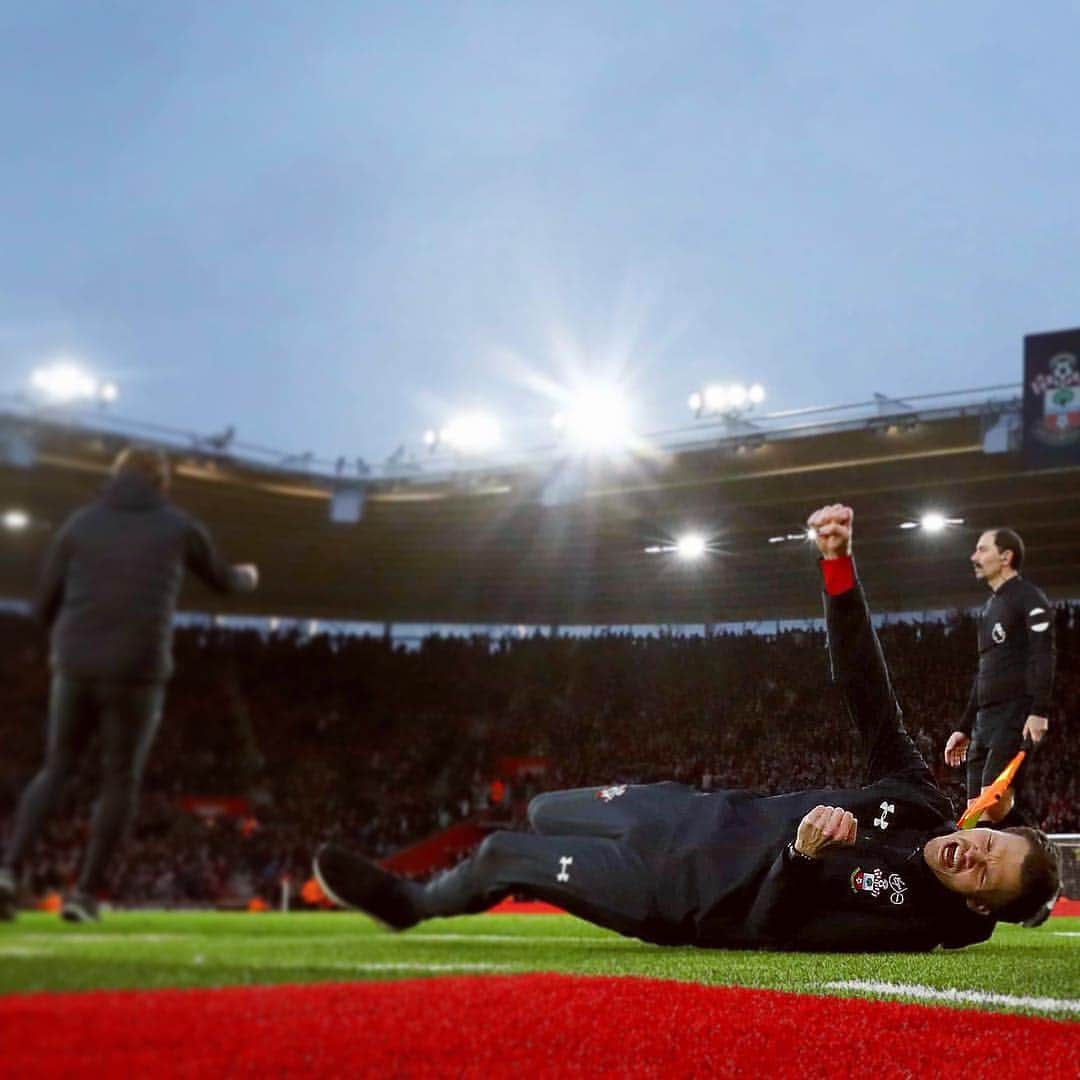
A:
(858, 664)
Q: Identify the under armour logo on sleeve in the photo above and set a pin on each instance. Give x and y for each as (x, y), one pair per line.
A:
(887, 808)
(609, 793)
(1038, 620)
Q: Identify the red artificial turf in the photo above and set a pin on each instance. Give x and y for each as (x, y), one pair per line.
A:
(510, 906)
(534, 1025)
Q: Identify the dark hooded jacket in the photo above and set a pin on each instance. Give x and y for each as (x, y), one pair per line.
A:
(111, 579)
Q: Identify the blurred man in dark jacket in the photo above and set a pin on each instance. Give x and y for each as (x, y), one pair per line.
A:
(107, 595)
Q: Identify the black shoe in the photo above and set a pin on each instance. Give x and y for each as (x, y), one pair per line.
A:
(354, 882)
(8, 906)
(80, 907)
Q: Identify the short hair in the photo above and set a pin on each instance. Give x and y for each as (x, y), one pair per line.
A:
(1009, 540)
(142, 461)
(1040, 877)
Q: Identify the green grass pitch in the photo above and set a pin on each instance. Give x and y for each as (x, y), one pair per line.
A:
(160, 949)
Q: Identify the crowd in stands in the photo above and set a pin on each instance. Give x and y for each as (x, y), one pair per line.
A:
(379, 745)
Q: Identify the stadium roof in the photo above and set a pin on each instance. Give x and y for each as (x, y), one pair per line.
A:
(550, 542)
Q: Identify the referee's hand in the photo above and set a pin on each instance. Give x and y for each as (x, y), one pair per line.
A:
(956, 749)
(825, 827)
(1035, 728)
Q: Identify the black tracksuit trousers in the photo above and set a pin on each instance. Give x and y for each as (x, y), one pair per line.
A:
(590, 854)
(127, 715)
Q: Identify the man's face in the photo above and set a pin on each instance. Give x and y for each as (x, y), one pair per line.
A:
(981, 864)
(987, 560)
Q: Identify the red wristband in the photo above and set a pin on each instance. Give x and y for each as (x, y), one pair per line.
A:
(839, 574)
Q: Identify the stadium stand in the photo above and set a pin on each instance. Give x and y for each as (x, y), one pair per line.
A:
(276, 740)
(355, 738)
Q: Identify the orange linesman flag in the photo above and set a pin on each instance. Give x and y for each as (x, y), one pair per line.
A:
(992, 795)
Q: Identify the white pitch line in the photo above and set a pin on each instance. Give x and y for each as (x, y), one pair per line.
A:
(91, 938)
(951, 994)
(520, 939)
(1066, 933)
(23, 950)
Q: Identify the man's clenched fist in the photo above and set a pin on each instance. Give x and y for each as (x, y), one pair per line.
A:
(825, 827)
(832, 527)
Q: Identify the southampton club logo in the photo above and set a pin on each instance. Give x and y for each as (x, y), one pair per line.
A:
(609, 793)
(1059, 390)
(874, 882)
(998, 633)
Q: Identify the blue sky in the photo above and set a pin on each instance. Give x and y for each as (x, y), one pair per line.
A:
(335, 224)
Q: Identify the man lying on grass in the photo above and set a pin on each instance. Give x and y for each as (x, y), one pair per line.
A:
(881, 867)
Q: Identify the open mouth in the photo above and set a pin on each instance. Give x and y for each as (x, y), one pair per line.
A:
(950, 855)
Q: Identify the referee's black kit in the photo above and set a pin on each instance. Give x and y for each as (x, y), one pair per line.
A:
(1015, 677)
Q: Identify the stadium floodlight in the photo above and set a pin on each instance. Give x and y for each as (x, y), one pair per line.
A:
(470, 433)
(932, 522)
(690, 546)
(64, 383)
(726, 400)
(716, 398)
(596, 420)
(15, 520)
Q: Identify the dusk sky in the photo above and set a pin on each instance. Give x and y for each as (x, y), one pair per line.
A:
(335, 224)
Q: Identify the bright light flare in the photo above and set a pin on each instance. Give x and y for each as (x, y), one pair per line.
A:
(15, 520)
(471, 433)
(808, 535)
(932, 522)
(690, 546)
(64, 382)
(596, 420)
(108, 392)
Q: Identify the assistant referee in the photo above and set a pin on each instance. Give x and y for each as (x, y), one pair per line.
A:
(1010, 698)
